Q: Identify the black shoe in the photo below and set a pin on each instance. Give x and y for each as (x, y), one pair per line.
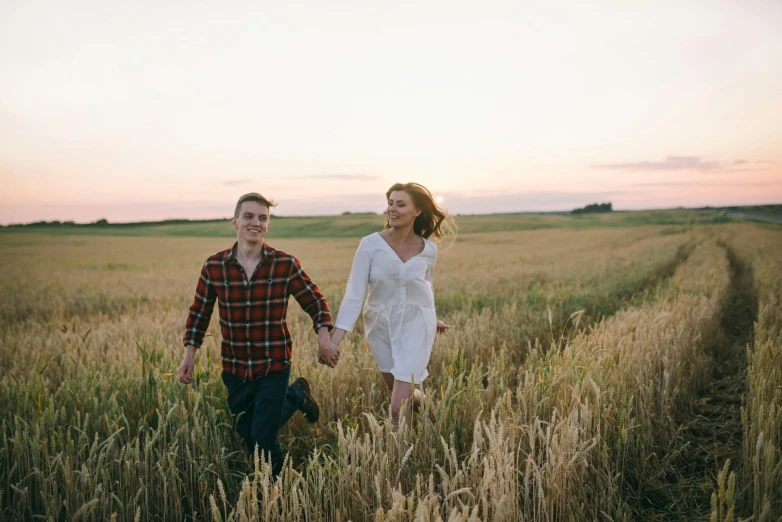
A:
(309, 407)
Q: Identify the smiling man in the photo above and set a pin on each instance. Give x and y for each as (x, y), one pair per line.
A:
(252, 283)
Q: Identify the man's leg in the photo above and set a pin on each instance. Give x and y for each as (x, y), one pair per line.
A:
(240, 402)
(270, 398)
(299, 397)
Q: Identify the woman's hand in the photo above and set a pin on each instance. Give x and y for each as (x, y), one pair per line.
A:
(441, 327)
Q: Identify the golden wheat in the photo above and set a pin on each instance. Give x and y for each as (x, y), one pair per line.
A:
(536, 417)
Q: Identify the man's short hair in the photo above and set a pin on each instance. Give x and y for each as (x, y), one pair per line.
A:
(254, 196)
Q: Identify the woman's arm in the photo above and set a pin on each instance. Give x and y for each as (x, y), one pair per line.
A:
(356, 289)
(337, 335)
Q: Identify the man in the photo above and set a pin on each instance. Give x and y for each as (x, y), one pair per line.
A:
(252, 282)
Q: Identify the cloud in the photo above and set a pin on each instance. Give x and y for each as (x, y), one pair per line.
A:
(233, 182)
(332, 204)
(670, 163)
(703, 184)
(344, 177)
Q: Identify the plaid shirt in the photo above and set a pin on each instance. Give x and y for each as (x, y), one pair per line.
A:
(256, 339)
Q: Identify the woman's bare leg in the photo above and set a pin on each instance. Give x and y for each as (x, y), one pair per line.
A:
(400, 393)
(418, 397)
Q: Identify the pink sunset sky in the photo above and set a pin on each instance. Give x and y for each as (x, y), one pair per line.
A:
(134, 111)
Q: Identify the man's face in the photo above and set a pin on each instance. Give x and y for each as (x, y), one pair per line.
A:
(252, 223)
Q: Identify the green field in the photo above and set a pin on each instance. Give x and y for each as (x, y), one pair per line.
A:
(621, 366)
(358, 225)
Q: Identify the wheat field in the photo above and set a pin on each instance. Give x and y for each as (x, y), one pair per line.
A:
(573, 385)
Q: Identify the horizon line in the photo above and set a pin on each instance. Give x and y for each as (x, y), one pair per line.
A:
(347, 213)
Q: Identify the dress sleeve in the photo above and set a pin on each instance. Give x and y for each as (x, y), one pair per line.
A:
(356, 289)
(430, 269)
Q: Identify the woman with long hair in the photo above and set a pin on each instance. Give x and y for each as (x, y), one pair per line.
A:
(397, 264)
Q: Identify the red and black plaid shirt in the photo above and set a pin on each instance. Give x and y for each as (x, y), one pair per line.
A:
(256, 339)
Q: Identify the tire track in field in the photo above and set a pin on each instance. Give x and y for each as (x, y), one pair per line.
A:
(711, 432)
(599, 307)
(662, 274)
(718, 410)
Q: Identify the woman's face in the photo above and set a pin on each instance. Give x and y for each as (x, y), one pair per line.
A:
(401, 211)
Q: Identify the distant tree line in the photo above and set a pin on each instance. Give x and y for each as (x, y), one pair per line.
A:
(45, 224)
(594, 208)
(56, 223)
(105, 223)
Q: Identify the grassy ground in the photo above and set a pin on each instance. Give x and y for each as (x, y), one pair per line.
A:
(358, 225)
(540, 413)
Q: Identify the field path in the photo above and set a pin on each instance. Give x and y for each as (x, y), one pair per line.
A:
(711, 432)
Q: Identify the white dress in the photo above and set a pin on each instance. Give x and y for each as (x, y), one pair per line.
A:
(399, 316)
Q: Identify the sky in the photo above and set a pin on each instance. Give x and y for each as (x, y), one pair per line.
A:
(136, 111)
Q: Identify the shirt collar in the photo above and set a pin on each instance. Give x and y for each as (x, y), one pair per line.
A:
(267, 252)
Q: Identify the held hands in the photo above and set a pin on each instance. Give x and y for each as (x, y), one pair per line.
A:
(441, 327)
(328, 353)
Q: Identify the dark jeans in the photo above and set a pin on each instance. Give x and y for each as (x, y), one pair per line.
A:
(261, 407)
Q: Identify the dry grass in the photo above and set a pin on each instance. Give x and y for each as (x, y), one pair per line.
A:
(564, 428)
(761, 470)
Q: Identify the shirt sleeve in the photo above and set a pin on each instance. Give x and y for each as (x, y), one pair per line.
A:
(356, 289)
(200, 310)
(309, 297)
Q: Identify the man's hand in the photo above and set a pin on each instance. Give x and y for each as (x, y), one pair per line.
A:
(328, 353)
(185, 370)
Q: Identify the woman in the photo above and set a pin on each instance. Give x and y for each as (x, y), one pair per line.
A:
(399, 314)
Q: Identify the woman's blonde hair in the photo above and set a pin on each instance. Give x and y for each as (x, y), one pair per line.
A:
(432, 219)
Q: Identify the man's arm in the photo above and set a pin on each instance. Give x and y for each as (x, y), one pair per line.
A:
(309, 297)
(314, 303)
(197, 323)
